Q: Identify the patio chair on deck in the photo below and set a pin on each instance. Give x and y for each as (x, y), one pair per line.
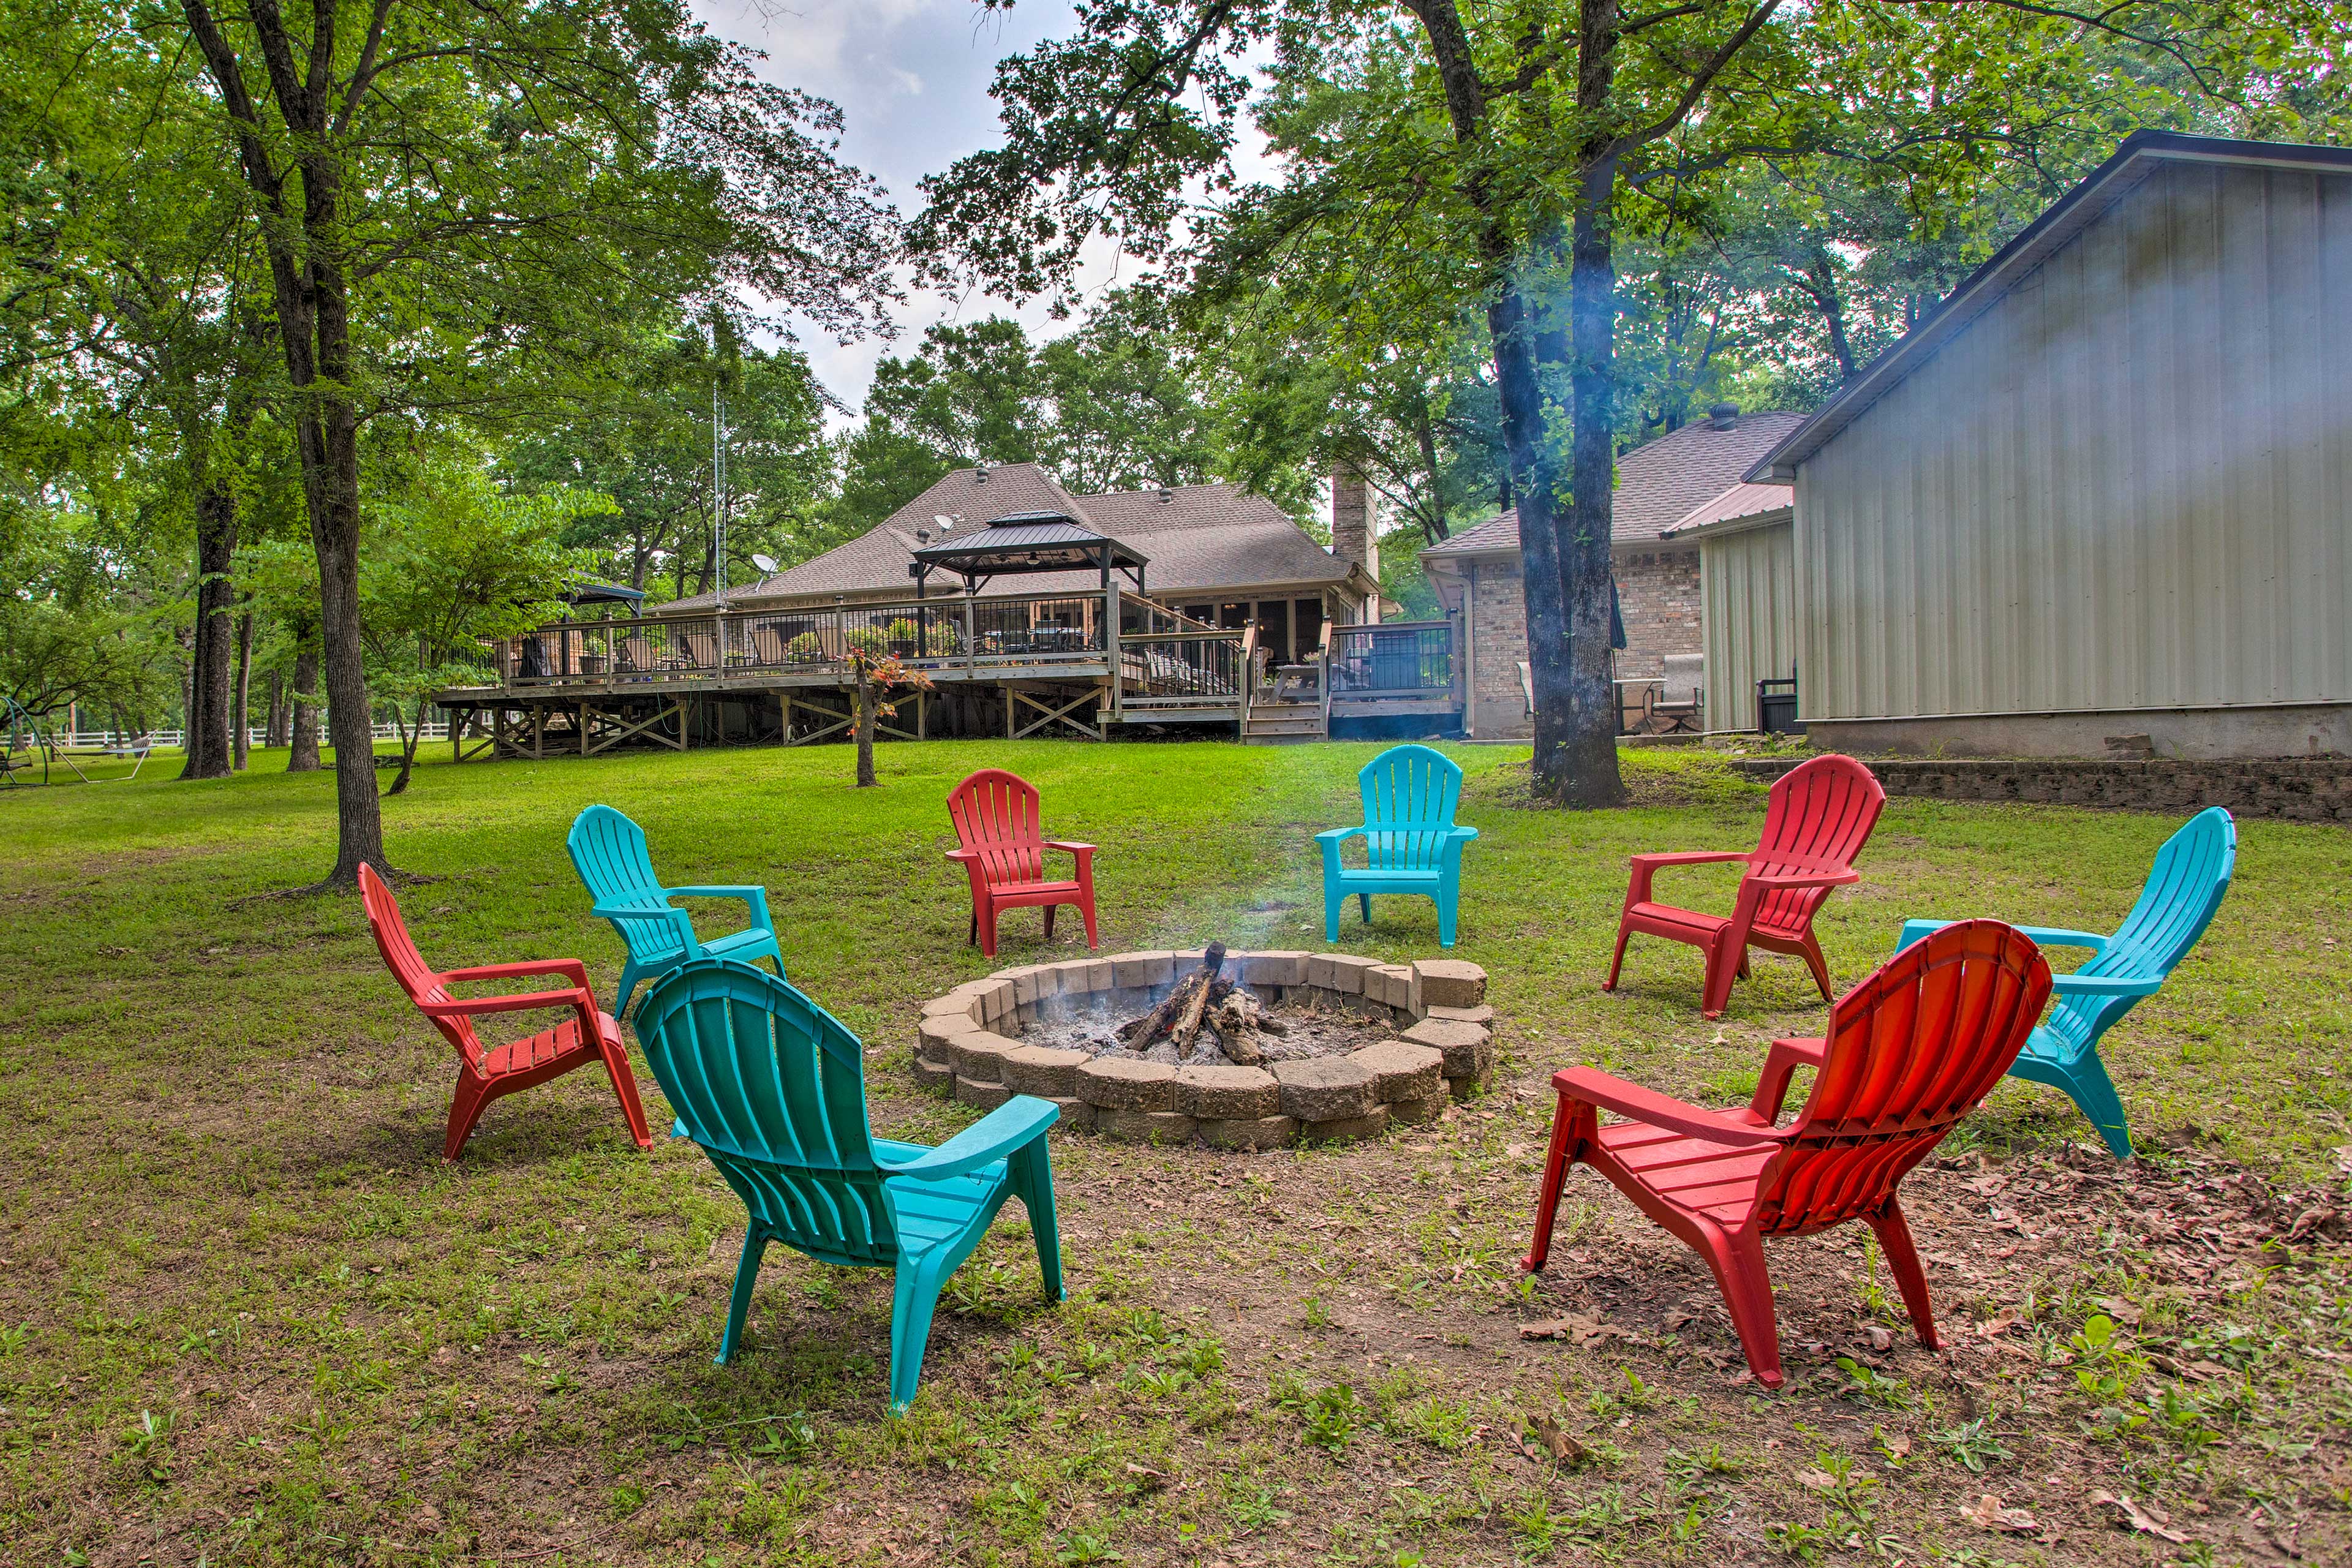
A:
(1678, 701)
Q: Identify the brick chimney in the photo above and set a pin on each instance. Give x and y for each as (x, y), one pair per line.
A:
(1352, 525)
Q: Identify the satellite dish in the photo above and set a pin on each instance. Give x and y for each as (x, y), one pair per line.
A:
(764, 562)
(943, 520)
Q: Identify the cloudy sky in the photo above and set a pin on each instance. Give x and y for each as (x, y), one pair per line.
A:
(911, 78)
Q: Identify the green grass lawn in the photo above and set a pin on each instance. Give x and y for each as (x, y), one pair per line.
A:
(247, 1314)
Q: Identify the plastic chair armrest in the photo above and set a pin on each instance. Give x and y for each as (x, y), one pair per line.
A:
(2055, 936)
(1000, 1132)
(581, 1002)
(965, 855)
(753, 895)
(1691, 857)
(1337, 836)
(572, 969)
(1779, 880)
(1070, 846)
(1462, 834)
(1652, 1109)
(1780, 1064)
(2103, 986)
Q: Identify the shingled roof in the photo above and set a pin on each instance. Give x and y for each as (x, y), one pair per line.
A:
(1659, 483)
(1196, 538)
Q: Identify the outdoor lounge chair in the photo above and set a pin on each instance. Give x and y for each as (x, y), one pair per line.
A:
(485, 1074)
(2184, 889)
(1908, 1053)
(1002, 847)
(609, 852)
(772, 1087)
(1411, 840)
(1678, 701)
(1819, 817)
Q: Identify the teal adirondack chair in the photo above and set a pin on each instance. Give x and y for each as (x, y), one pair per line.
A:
(609, 852)
(774, 1089)
(1409, 835)
(2192, 873)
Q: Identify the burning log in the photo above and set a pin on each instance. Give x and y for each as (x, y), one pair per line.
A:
(1179, 1014)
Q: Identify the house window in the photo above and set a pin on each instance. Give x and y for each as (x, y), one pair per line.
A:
(1232, 617)
(1306, 627)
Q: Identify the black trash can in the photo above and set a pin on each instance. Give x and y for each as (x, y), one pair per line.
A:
(1776, 707)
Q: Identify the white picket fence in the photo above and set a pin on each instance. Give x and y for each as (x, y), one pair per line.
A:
(94, 740)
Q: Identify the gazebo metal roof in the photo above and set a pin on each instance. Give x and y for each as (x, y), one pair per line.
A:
(1027, 541)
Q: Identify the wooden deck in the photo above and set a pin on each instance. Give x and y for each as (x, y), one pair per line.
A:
(1079, 664)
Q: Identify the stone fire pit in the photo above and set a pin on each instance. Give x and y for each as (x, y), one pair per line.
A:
(1431, 1028)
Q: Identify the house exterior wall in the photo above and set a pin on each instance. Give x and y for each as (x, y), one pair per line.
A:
(1498, 614)
(1747, 592)
(1658, 589)
(2123, 490)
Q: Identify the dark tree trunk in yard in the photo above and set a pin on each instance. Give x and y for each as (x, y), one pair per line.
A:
(303, 738)
(210, 676)
(867, 700)
(240, 724)
(274, 727)
(308, 273)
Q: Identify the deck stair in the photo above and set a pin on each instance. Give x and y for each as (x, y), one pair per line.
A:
(1284, 724)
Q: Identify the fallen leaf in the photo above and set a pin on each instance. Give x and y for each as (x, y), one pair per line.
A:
(1881, 1338)
(1150, 1480)
(1986, 1513)
(1513, 1151)
(2135, 1517)
(2121, 1310)
(1681, 1316)
(1817, 1480)
(1999, 1323)
(1582, 1331)
(1557, 1442)
(1897, 1444)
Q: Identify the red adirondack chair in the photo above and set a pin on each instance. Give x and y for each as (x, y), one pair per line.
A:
(1909, 1051)
(995, 816)
(483, 1075)
(1818, 818)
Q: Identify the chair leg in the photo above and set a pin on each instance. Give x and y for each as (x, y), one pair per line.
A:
(1334, 901)
(1722, 964)
(915, 1296)
(1572, 1123)
(987, 918)
(1737, 1260)
(1049, 921)
(1364, 905)
(973, 940)
(1617, 960)
(1087, 914)
(747, 1278)
(2092, 1090)
(625, 992)
(1446, 906)
(1819, 965)
(1033, 1184)
(465, 1108)
(624, 1089)
(1893, 1233)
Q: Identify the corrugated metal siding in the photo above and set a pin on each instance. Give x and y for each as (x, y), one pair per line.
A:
(1747, 599)
(2125, 485)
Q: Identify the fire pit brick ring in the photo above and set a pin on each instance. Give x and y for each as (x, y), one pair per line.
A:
(1260, 1050)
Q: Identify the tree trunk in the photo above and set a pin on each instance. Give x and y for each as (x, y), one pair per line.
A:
(410, 734)
(209, 672)
(302, 741)
(241, 727)
(274, 727)
(311, 290)
(1587, 738)
(866, 702)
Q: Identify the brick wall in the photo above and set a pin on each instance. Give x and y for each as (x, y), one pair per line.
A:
(1498, 612)
(1658, 591)
(2286, 789)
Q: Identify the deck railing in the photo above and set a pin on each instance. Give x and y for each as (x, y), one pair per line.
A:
(1181, 669)
(1393, 659)
(1034, 629)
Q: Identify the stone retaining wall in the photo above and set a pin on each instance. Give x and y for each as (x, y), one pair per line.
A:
(1443, 1047)
(2286, 789)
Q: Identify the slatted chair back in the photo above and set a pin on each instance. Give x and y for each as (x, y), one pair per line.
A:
(1410, 794)
(417, 978)
(774, 1089)
(1910, 1051)
(2184, 891)
(996, 817)
(609, 852)
(1818, 818)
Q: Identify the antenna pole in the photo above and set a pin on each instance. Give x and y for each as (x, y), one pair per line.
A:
(717, 494)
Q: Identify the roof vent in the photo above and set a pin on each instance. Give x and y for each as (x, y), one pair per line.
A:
(979, 473)
(1723, 415)
(1166, 495)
